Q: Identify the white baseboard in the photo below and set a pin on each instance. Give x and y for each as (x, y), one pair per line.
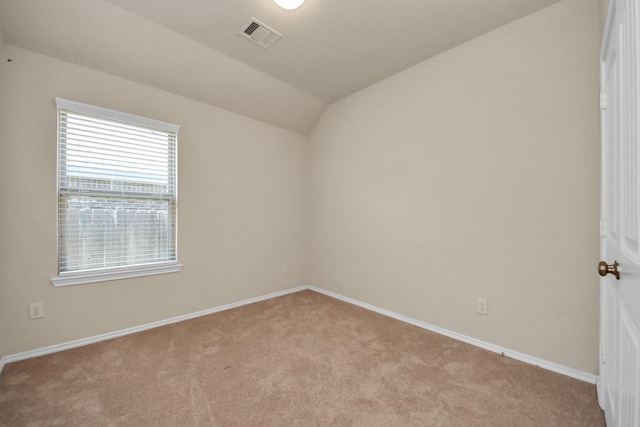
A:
(110, 335)
(570, 372)
(550, 366)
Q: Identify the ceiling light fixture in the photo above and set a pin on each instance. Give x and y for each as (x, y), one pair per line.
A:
(289, 4)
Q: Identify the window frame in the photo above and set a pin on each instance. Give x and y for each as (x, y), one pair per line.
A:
(76, 277)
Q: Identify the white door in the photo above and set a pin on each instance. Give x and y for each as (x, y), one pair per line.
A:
(619, 385)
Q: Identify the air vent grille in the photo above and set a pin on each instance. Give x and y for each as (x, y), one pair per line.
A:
(251, 28)
(259, 33)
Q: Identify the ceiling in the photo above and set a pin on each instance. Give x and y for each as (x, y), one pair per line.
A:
(328, 50)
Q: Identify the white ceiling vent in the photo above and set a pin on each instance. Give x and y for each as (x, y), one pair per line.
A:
(259, 33)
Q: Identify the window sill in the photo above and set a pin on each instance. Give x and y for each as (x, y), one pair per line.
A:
(70, 279)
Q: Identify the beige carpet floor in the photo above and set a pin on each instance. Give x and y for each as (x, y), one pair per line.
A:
(300, 360)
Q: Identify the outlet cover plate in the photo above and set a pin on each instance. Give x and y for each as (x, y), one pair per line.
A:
(36, 310)
(482, 306)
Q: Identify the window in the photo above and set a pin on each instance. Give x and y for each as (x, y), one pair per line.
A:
(117, 195)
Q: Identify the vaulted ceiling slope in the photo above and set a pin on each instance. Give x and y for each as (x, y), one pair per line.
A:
(328, 50)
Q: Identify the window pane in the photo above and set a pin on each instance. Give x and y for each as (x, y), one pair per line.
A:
(116, 155)
(117, 189)
(113, 232)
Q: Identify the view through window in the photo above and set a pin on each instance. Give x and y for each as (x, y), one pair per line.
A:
(117, 189)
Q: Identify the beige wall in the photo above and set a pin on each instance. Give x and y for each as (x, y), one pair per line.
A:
(2, 58)
(473, 174)
(242, 207)
(604, 9)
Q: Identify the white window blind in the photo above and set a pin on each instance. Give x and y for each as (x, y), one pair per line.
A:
(117, 192)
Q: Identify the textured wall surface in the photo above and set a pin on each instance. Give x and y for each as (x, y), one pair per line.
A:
(473, 174)
(241, 207)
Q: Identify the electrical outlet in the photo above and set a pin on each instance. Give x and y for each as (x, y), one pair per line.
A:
(285, 268)
(36, 310)
(482, 306)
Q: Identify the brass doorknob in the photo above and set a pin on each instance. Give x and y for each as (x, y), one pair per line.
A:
(604, 269)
